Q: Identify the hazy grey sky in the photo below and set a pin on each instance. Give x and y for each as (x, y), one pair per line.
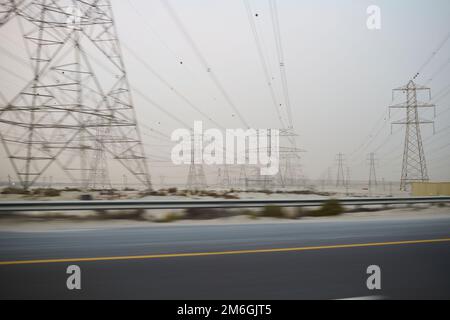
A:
(340, 74)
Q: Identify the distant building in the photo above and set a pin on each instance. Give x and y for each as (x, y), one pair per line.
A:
(430, 189)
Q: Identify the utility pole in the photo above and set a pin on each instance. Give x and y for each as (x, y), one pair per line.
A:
(414, 166)
(340, 179)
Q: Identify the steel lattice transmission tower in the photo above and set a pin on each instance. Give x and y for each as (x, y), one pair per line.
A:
(8, 9)
(99, 175)
(290, 169)
(373, 173)
(414, 166)
(79, 91)
(340, 178)
(223, 178)
(196, 177)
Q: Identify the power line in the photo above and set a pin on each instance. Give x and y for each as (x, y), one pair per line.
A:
(391, 159)
(170, 86)
(172, 52)
(262, 59)
(438, 71)
(153, 31)
(279, 46)
(369, 136)
(441, 94)
(145, 96)
(372, 139)
(430, 58)
(203, 60)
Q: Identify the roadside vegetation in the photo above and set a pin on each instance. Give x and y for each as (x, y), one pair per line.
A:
(13, 190)
(330, 208)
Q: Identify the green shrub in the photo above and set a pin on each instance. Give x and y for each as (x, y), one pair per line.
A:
(136, 214)
(12, 190)
(52, 193)
(46, 192)
(331, 207)
(147, 193)
(67, 189)
(206, 213)
(273, 212)
(172, 190)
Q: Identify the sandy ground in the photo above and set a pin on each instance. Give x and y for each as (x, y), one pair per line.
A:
(85, 220)
(55, 225)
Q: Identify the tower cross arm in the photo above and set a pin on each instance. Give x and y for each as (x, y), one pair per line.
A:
(413, 122)
(418, 105)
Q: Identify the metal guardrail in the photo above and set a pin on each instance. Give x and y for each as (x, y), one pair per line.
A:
(15, 206)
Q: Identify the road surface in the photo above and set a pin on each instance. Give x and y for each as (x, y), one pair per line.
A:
(298, 260)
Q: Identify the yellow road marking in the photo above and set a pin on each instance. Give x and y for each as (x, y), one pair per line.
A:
(200, 254)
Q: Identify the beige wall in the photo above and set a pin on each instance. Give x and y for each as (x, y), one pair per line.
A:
(431, 189)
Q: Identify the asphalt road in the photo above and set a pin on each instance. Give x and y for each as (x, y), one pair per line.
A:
(256, 261)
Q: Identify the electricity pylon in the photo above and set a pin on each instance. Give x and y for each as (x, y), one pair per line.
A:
(99, 174)
(8, 9)
(290, 168)
(340, 179)
(196, 177)
(414, 166)
(79, 87)
(372, 174)
(223, 178)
